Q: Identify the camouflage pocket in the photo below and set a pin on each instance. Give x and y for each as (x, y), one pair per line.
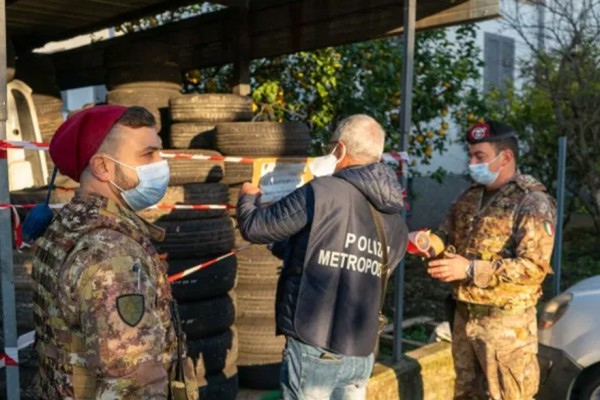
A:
(186, 389)
(518, 372)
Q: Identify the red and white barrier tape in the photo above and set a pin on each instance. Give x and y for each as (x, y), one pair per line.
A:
(186, 156)
(28, 206)
(22, 145)
(179, 275)
(156, 207)
(18, 231)
(191, 207)
(10, 357)
(393, 157)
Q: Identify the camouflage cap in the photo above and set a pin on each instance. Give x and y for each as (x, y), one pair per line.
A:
(489, 131)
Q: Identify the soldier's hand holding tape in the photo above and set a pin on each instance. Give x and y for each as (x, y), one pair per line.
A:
(452, 267)
(449, 267)
(424, 243)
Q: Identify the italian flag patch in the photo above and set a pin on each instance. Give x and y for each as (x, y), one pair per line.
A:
(549, 228)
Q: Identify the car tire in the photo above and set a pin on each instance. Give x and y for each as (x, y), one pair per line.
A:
(258, 268)
(211, 107)
(215, 280)
(263, 139)
(154, 99)
(196, 238)
(590, 386)
(258, 344)
(194, 171)
(255, 303)
(192, 135)
(141, 62)
(238, 173)
(190, 194)
(206, 318)
(117, 77)
(214, 354)
(221, 386)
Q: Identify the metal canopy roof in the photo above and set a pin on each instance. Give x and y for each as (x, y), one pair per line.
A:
(273, 27)
(33, 23)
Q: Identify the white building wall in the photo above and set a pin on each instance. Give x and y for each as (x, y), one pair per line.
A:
(454, 160)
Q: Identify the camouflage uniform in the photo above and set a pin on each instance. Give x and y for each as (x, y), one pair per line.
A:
(495, 334)
(102, 306)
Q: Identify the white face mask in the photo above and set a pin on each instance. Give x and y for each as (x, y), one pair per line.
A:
(324, 165)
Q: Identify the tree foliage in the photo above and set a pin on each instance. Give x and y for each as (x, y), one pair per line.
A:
(560, 96)
(152, 21)
(323, 86)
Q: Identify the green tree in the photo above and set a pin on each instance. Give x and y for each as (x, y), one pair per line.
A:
(560, 97)
(323, 86)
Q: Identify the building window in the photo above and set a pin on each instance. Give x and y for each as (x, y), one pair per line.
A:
(499, 59)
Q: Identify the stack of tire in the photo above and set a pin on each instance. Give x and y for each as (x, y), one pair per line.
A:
(260, 351)
(37, 71)
(144, 75)
(206, 299)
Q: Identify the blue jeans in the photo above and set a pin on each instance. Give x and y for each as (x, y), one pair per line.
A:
(311, 373)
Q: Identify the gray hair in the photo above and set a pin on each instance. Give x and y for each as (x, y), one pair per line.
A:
(363, 136)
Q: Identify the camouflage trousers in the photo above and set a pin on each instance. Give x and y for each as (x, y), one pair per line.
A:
(495, 356)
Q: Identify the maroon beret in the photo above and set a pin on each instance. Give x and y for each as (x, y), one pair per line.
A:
(489, 131)
(80, 137)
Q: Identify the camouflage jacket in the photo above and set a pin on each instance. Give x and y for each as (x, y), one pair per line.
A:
(510, 238)
(102, 306)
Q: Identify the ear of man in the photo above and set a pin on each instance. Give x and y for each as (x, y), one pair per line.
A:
(99, 168)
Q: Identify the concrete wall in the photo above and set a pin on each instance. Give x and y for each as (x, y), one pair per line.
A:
(426, 373)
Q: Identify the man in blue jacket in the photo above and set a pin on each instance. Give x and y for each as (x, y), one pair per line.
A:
(330, 289)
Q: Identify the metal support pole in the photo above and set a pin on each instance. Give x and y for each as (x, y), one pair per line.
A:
(410, 10)
(9, 320)
(560, 200)
(241, 66)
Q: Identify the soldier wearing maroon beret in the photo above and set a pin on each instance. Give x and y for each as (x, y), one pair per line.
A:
(502, 230)
(102, 303)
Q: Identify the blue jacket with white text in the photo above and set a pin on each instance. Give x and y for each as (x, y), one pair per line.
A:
(329, 291)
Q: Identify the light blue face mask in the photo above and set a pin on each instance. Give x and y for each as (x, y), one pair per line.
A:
(154, 180)
(481, 172)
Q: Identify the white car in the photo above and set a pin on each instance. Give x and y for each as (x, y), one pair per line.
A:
(569, 344)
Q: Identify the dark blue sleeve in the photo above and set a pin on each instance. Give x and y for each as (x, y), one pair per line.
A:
(278, 249)
(278, 221)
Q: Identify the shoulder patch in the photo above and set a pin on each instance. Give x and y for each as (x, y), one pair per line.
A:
(131, 308)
